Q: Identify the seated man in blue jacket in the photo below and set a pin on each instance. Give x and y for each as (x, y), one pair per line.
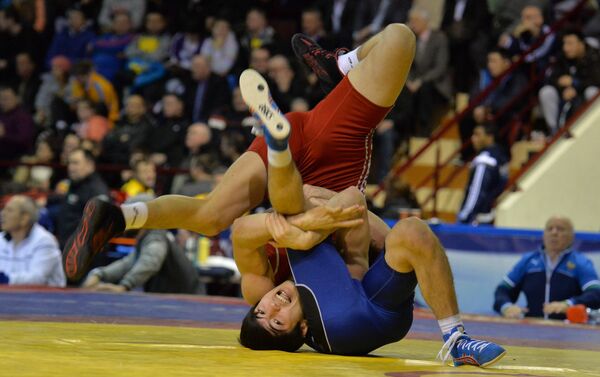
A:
(552, 278)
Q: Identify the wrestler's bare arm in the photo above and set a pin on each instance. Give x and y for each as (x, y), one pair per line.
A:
(250, 233)
(316, 196)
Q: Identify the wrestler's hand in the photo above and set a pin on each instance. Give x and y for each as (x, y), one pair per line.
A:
(286, 235)
(325, 217)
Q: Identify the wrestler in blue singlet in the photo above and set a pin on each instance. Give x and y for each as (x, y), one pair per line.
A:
(346, 316)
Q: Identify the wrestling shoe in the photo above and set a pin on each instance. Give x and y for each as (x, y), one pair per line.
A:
(100, 222)
(467, 351)
(255, 92)
(322, 62)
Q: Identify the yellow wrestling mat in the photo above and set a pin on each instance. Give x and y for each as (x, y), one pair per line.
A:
(92, 349)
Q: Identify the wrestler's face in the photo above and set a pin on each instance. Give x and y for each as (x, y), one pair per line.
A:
(279, 311)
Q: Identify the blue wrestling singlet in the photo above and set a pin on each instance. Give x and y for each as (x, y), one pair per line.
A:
(346, 316)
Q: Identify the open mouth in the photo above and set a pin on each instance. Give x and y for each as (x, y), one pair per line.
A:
(283, 297)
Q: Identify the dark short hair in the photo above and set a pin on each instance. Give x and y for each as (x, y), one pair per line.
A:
(504, 53)
(84, 67)
(489, 129)
(256, 337)
(575, 32)
(87, 154)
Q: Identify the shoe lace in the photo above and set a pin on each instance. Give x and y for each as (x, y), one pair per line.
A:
(454, 341)
(447, 347)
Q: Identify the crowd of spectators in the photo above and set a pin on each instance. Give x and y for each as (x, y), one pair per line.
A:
(106, 95)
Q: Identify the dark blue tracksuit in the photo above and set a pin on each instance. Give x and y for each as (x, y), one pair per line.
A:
(572, 279)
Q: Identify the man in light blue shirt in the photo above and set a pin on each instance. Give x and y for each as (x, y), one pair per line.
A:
(29, 254)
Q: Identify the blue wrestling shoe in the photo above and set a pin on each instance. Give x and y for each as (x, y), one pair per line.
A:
(467, 351)
(255, 92)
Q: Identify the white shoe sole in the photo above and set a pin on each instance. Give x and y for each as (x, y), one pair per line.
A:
(255, 93)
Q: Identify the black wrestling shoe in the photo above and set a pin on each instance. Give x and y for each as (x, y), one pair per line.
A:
(101, 221)
(322, 62)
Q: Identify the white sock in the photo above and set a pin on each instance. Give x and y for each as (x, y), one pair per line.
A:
(135, 215)
(279, 159)
(348, 61)
(447, 324)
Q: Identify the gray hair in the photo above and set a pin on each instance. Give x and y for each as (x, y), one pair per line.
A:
(28, 206)
(422, 12)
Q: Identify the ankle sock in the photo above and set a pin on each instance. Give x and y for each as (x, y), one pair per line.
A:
(135, 215)
(348, 61)
(447, 324)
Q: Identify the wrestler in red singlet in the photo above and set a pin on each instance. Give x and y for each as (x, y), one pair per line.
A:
(331, 144)
(277, 257)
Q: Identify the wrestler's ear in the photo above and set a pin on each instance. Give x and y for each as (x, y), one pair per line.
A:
(303, 327)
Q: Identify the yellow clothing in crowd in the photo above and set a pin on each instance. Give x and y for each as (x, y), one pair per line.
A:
(134, 187)
(98, 90)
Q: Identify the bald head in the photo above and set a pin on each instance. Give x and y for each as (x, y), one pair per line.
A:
(200, 68)
(558, 234)
(198, 134)
(20, 213)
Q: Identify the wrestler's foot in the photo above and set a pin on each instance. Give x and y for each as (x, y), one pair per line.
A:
(100, 222)
(322, 62)
(255, 92)
(467, 351)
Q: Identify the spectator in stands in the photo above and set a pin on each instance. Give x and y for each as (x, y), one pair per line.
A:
(259, 60)
(312, 26)
(373, 15)
(163, 140)
(29, 254)
(91, 125)
(466, 24)
(530, 28)
(111, 8)
(157, 264)
(233, 144)
(236, 117)
(83, 184)
(70, 143)
(206, 92)
(552, 278)
(428, 81)
(185, 45)
(16, 37)
(153, 44)
(17, 131)
(143, 180)
(108, 50)
(87, 83)
(258, 34)
(74, 40)
(148, 51)
(574, 78)
(51, 99)
(39, 177)
(507, 14)
(198, 141)
(489, 173)
(200, 180)
(128, 134)
(494, 107)
(221, 48)
(27, 80)
(339, 19)
(288, 85)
